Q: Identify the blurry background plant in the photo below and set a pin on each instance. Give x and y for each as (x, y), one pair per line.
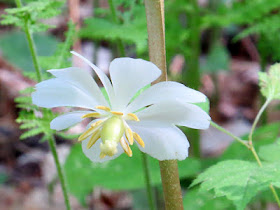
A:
(215, 45)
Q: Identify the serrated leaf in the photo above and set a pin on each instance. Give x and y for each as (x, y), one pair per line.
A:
(238, 180)
(120, 173)
(270, 82)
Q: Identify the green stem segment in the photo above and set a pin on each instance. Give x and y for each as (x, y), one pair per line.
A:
(51, 139)
(116, 20)
(148, 181)
(156, 38)
(61, 176)
(31, 45)
(258, 118)
(249, 144)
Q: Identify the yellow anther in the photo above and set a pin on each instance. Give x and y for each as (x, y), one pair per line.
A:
(93, 139)
(102, 155)
(93, 114)
(117, 113)
(129, 135)
(138, 139)
(126, 147)
(105, 108)
(96, 123)
(132, 116)
(94, 127)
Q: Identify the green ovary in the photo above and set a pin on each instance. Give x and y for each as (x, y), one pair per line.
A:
(111, 133)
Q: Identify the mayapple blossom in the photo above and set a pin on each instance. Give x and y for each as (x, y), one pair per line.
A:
(149, 119)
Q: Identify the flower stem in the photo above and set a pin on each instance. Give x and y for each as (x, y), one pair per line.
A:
(245, 143)
(250, 146)
(156, 38)
(258, 118)
(116, 20)
(51, 139)
(31, 45)
(61, 176)
(148, 181)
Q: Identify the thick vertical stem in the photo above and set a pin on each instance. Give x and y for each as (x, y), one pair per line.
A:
(156, 38)
(148, 181)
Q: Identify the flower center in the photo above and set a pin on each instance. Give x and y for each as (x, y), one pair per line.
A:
(111, 128)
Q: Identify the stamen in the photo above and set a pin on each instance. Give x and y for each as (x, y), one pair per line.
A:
(93, 114)
(126, 147)
(138, 139)
(129, 135)
(105, 108)
(132, 116)
(96, 123)
(117, 113)
(93, 139)
(94, 127)
(102, 155)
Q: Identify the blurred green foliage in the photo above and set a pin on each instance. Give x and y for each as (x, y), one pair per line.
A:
(122, 173)
(21, 57)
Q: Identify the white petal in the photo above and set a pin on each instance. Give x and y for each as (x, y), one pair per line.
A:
(67, 120)
(57, 92)
(129, 75)
(166, 91)
(174, 112)
(81, 79)
(163, 143)
(102, 76)
(94, 152)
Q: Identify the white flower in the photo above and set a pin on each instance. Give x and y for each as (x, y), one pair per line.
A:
(149, 119)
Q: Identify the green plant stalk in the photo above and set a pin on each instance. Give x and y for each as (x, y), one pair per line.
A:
(51, 140)
(250, 146)
(263, 63)
(148, 181)
(245, 143)
(268, 100)
(61, 176)
(116, 20)
(31, 45)
(156, 38)
(191, 77)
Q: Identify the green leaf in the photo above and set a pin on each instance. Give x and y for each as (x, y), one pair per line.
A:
(21, 57)
(121, 173)
(205, 106)
(270, 152)
(270, 82)
(32, 14)
(238, 180)
(194, 199)
(133, 31)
